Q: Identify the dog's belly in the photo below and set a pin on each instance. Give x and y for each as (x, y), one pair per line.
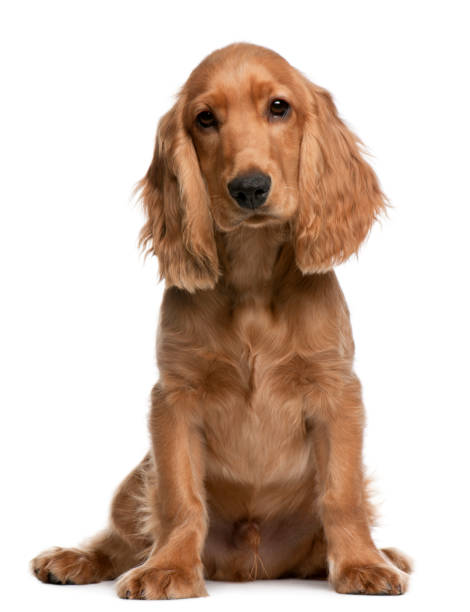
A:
(261, 499)
(261, 489)
(251, 549)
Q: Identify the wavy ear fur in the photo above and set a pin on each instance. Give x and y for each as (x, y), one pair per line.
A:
(339, 194)
(179, 228)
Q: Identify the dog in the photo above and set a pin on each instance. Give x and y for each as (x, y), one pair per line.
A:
(256, 190)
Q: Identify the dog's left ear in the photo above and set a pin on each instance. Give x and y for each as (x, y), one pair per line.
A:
(339, 194)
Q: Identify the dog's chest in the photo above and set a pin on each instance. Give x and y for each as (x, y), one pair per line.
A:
(255, 428)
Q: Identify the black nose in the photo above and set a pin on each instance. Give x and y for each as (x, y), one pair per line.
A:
(250, 190)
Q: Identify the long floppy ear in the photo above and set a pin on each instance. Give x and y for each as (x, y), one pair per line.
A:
(339, 194)
(179, 228)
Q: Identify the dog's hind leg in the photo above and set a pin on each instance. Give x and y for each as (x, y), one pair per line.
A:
(105, 557)
(109, 554)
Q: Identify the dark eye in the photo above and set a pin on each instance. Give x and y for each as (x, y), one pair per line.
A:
(206, 119)
(279, 108)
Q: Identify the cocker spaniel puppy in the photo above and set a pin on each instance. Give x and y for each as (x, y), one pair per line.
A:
(256, 190)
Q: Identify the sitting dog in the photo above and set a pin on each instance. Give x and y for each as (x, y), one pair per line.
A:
(256, 190)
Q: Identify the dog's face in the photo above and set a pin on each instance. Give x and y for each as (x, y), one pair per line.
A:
(245, 120)
(250, 141)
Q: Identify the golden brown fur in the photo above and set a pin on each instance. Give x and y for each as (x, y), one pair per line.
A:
(255, 469)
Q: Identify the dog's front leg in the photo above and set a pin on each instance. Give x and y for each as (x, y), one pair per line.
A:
(355, 565)
(174, 568)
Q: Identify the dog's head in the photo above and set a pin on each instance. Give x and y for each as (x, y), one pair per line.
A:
(251, 141)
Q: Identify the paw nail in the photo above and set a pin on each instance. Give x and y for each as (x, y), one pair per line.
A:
(52, 579)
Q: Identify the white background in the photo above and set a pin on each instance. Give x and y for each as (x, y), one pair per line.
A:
(83, 85)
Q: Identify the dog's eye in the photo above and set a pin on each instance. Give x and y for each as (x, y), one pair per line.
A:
(206, 119)
(279, 108)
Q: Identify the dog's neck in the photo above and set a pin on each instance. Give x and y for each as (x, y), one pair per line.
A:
(249, 258)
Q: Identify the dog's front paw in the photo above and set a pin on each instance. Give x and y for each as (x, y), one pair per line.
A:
(380, 579)
(149, 581)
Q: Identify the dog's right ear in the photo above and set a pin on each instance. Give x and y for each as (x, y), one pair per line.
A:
(179, 227)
